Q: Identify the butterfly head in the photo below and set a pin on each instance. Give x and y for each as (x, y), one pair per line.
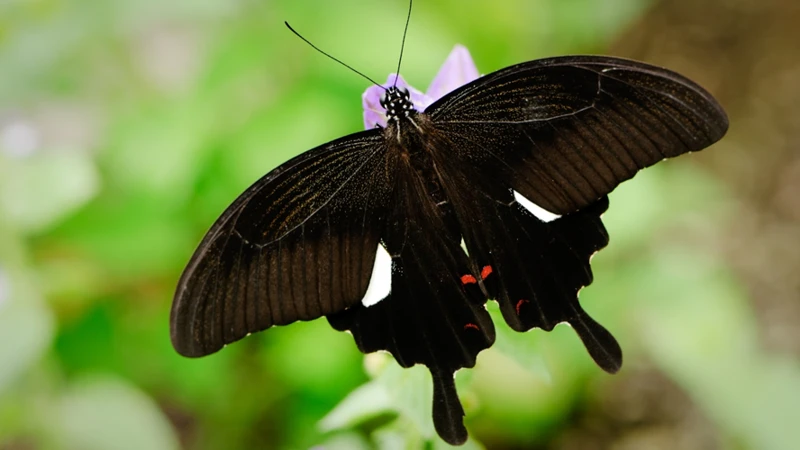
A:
(397, 103)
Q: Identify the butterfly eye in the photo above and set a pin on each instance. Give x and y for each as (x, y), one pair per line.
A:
(383, 99)
(404, 92)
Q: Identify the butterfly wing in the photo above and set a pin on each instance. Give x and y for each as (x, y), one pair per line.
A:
(533, 269)
(566, 131)
(563, 133)
(431, 316)
(298, 244)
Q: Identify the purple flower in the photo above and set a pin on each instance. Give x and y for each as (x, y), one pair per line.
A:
(458, 69)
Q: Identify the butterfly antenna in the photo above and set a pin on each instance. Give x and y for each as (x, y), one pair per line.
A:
(331, 57)
(403, 44)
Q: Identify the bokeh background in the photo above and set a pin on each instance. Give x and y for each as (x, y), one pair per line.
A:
(126, 126)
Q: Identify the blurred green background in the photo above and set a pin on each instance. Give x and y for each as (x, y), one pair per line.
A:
(126, 126)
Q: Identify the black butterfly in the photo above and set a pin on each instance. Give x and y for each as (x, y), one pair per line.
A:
(562, 133)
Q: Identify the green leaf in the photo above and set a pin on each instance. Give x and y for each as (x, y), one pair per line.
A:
(522, 348)
(104, 413)
(26, 328)
(346, 441)
(366, 402)
(407, 392)
(39, 190)
(412, 393)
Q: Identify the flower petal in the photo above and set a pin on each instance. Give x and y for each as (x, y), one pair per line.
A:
(457, 70)
(374, 114)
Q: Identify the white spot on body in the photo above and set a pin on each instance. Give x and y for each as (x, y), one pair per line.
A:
(541, 213)
(380, 283)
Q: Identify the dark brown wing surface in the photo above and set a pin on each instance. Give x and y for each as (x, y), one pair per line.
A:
(533, 269)
(298, 244)
(563, 133)
(566, 131)
(430, 317)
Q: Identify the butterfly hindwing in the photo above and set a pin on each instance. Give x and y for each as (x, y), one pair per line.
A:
(540, 276)
(533, 269)
(566, 131)
(431, 316)
(297, 245)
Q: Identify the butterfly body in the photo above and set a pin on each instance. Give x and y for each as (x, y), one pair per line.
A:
(308, 239)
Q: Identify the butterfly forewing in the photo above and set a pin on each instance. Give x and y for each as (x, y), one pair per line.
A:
(298, 244)
(565, 131)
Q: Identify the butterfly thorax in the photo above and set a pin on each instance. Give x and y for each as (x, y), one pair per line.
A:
(410, 137)
(404, 124)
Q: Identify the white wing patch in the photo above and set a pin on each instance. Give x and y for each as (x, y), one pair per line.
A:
(464, 247)
(541, 213)
(380, 283)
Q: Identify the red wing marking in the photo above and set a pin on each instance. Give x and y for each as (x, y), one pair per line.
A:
(471, 325)
(487, 270)
(468, 279)
(520, 303)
